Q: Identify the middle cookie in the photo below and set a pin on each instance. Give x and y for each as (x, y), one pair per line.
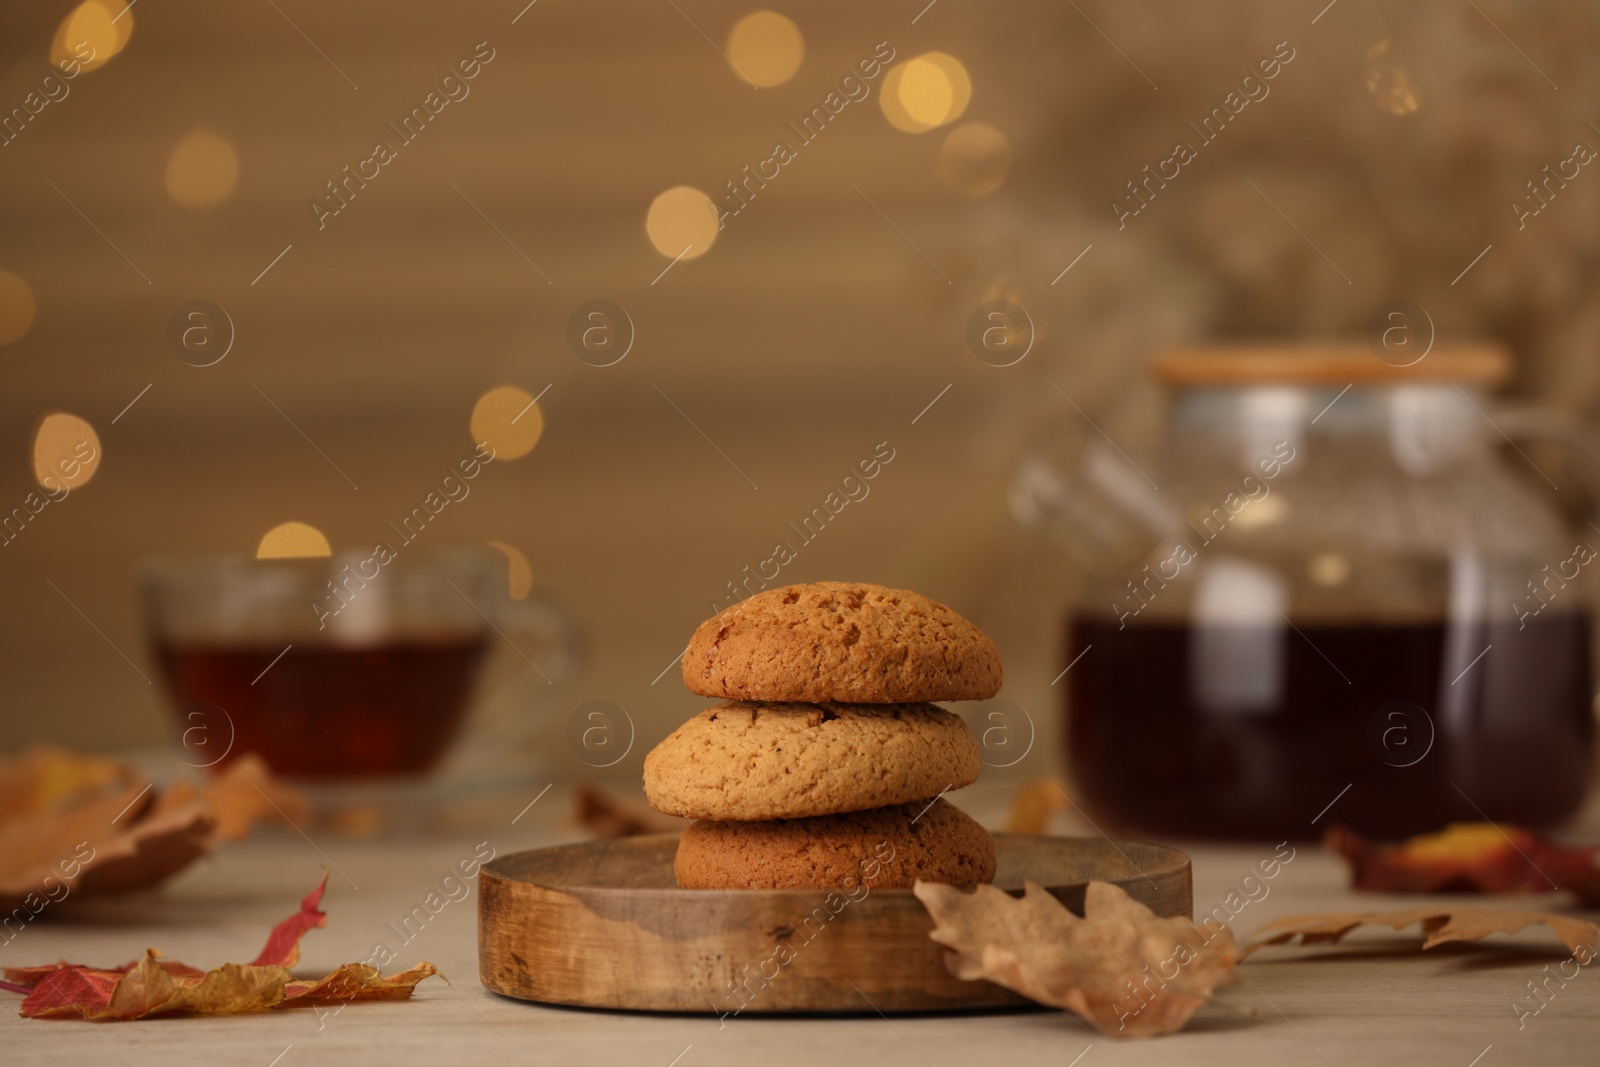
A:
(746, 760)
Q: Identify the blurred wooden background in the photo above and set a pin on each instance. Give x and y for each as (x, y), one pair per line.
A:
(824, 319)
(811, 332)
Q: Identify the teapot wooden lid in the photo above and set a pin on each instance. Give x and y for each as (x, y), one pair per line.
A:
(1334, 363)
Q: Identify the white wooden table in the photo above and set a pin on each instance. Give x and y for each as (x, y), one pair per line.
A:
(1375, 1001)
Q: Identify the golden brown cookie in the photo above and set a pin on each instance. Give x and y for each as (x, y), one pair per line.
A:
(884, 848)
(749, 760)
(844, 641)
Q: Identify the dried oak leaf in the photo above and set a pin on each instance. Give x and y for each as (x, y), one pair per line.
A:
(1128, 972)
(86, 826)
(153, 986)
(1440, 924)
(1469, 858)
(46, 779)
(31, 845)
(243, 794)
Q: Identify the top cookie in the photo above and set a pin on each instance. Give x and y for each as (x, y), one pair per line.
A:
(841, 641)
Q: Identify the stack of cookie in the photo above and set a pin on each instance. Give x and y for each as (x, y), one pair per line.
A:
(827, 765)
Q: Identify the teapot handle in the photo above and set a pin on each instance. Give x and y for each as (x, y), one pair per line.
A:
(1534, 423)
(1105, 515)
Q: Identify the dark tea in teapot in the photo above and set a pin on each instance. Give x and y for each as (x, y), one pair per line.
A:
(1392, 728)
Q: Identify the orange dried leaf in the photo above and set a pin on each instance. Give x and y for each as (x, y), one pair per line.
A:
(243, 794)
(1033, 804)
(1440, 924)
(149, 990)
(359, 981)
(153, 849)
(85, 826)
(35, 846)
(1469, 858)
(45, 779)
(153, 986)
(1128, 972)
(281, 950)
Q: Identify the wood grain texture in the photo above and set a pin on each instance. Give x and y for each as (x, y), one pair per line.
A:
(603, 925)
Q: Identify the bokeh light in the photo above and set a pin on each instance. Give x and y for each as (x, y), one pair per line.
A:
(519, 571)
(766, 48)
(682, 218)
(66, 452)
(931, 90)
(1388, 82)
(1329, 568)
(507, 419)
(975, 158)
(293, 540)
(16, 308)
(96, 29)
(202, 170)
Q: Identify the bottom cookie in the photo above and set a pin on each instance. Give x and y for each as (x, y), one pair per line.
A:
(881, 848)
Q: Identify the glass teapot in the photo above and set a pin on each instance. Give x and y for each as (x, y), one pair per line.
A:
(1331, 600)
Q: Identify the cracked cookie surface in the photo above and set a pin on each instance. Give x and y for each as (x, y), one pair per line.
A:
(841, 641)
(748, 760)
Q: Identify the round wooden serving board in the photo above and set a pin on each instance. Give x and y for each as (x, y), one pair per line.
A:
(604, 925)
